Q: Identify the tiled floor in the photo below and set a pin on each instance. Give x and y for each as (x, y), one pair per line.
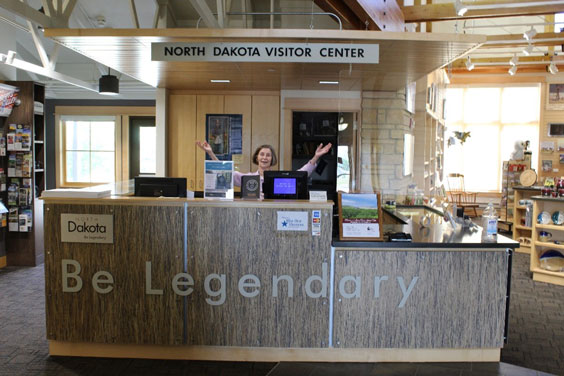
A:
(536, 340)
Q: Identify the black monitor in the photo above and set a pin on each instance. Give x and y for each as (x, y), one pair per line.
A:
(159, 186)
(285, 185)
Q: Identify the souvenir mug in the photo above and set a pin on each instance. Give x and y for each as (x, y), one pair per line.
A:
(544, 236)
(546, 191)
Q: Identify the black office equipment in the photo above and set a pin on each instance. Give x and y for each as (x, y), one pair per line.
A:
(285, 185)
(160, 186)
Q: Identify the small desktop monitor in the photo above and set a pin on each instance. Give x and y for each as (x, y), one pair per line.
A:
(285, 185)
(160, 186)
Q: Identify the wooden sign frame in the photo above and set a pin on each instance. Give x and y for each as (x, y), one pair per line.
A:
(365, 230)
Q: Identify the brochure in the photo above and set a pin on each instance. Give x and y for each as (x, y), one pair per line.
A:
(218, 179)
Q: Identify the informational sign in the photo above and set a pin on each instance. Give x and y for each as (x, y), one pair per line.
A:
(316, 223)
(360, 216)
(87, 228)
(218, 179)
(267, 52)
(292, 221)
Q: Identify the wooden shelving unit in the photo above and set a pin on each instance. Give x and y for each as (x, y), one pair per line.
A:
(521, 231)
(25, 246)
(538, 248)
(429, 133)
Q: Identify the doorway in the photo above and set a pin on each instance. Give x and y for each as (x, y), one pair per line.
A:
(142, 146)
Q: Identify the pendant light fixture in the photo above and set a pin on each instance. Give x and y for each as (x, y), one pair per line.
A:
(108, 84)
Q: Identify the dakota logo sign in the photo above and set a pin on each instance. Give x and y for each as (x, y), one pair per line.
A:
(267, 52)
(87, 228)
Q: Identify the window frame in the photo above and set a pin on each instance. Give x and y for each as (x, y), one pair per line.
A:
(121, 156)
(499, 124)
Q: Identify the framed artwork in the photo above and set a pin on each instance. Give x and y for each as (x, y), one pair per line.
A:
(360, 216)
(555, 97)
(224, 133)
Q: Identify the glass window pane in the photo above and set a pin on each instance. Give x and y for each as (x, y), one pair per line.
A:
(103, 135)
(147, 150)
(454, 104)
(482, 164)
(520, 104)
(343, 168)
(78, 166)
(481, 105)
(103, 168)
(77, 135)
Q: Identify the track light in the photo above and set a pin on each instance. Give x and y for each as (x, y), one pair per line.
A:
(108, 84)
(530, 34)
(469, 64)
(528, 50)
(514, 60)
(512, 70)
(460, 8)
(552, 68)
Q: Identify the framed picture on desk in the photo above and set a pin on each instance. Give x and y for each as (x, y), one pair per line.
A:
(360, 216)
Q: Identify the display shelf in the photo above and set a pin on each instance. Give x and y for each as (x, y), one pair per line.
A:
(541, 204)
(550, 227)
(520, 212)
(549, 245)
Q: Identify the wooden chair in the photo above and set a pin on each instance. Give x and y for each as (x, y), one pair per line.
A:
(458, 194)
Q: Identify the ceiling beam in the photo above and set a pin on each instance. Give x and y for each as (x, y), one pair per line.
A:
(446, 12)
(49, 73)
(379, 15)
(347, 16)
(25, 11)
(205, 12)
(517, 40)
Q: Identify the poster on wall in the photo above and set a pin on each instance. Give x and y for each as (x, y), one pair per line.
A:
(360, 216)
(224, 133)
(555, 97)
(8, 98)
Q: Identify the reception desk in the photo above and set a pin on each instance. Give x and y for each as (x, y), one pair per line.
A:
(262, 281)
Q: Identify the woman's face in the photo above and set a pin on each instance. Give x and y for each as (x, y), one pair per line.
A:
(264, 158)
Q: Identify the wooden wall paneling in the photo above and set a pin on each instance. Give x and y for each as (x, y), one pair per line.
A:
(206, 104)
(242, 104)
(266, 123)
(181, 138)
(127, 314)
(263, 320)
(458, 300)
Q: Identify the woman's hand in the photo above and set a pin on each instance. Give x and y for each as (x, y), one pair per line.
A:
(321, 151)
(207, 148)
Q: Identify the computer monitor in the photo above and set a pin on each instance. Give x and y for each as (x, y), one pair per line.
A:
(285, 185)
(160, 186)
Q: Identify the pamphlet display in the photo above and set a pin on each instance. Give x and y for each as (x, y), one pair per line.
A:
(360, 216)
(218, 179)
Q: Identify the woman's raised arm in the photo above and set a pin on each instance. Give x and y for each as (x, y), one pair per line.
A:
(207, 148)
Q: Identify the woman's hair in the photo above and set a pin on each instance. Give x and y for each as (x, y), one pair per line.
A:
(256, 153)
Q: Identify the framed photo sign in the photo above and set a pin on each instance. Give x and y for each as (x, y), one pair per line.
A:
(360, 216)
(555, 97)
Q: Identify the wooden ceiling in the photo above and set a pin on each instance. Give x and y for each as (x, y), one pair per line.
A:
(404, 57)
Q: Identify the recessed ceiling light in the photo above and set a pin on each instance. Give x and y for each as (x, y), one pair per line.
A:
(220, 81)
(329, 82)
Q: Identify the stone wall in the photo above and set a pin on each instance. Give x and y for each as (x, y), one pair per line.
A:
(384, 122)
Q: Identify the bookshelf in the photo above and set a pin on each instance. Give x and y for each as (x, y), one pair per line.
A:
(24, 167)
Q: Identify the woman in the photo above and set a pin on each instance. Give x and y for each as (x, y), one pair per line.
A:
(265, 157)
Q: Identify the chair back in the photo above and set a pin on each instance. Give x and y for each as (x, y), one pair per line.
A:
(455, 183)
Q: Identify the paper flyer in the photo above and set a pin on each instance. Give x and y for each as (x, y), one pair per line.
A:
(218, 179)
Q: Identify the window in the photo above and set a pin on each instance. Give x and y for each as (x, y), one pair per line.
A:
(89, 149)
(497, 118)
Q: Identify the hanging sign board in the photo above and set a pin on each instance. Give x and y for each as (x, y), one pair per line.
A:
(267, 52)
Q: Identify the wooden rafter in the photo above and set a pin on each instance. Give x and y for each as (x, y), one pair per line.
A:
(446, 12)
(366, 15)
